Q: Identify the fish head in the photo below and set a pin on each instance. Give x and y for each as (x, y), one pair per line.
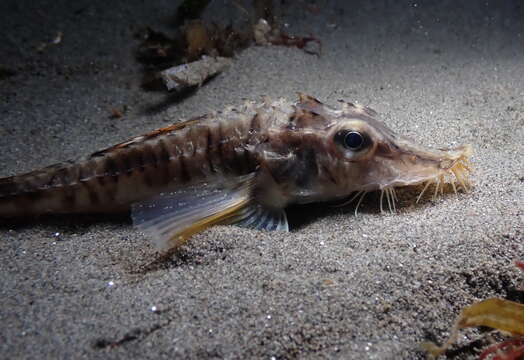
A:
(370, 156)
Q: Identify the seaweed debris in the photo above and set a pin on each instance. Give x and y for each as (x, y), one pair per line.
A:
(201, 50)
(503, 315)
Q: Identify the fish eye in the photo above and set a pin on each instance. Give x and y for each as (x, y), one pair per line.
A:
(353, 140)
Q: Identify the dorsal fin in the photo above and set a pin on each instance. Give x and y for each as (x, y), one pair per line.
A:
(305, 99)
(357, 109)
(150, 135)
(309, 113)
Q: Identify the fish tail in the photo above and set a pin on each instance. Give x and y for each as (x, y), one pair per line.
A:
(53, 189)
(89, 186)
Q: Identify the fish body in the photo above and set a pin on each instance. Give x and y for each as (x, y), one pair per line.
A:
(242, 165)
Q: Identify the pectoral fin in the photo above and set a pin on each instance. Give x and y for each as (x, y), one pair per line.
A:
(256, 216)
(172, 218)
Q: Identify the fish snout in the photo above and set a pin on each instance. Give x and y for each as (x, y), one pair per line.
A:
(412, 164)
(452, 156)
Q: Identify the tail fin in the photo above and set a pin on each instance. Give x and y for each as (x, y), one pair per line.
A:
(33, 193)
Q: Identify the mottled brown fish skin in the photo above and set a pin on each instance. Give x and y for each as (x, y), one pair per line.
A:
(296, 150)
(211, 146)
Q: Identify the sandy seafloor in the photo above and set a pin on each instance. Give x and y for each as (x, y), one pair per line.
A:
(337, 286)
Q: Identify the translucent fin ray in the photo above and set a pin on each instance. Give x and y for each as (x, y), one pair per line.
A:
(170, 219)
(256, 216)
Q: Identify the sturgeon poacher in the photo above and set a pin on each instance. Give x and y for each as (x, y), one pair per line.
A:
(242, 165)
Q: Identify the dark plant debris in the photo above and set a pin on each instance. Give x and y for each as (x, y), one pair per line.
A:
(189, 10)
(194, 38)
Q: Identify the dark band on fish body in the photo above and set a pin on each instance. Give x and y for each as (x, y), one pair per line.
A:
(237, 156)
(126, 163)
(163, 159)
(209, 141)
(70, 184)
(136, 160)
(92, 194)
(164, 155)
(292, 124)
(209, 149)
(254, 125)
(149, 156)
(147, 177)
(146, 159)
(9, 186)
(69, 196)
(109, 192)
(99, 170)
(112, 169)
(86, 171)
(307, 168)
(219, 142)
(184, 174)
(248, 161)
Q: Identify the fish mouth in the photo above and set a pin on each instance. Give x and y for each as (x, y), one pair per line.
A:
(454, 168)
(414, 166)
(438, 167)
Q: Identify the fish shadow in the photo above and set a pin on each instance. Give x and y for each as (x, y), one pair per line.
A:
(173, 97)
(300, 216)
(65, 223)
(170, 99)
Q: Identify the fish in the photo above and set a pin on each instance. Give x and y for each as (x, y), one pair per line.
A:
(243, 165)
